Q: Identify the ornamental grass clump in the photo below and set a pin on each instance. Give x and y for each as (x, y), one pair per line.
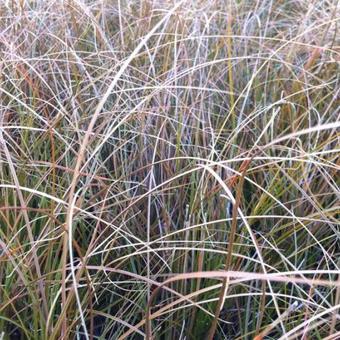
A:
(169, 169)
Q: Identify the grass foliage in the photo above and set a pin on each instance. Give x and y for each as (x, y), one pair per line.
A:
(169, 169)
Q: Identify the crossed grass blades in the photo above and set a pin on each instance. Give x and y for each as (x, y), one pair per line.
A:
(169, 169)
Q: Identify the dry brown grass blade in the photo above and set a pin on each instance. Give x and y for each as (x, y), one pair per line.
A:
(224, 290)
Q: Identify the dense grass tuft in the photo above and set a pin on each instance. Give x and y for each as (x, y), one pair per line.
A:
(169, 169)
